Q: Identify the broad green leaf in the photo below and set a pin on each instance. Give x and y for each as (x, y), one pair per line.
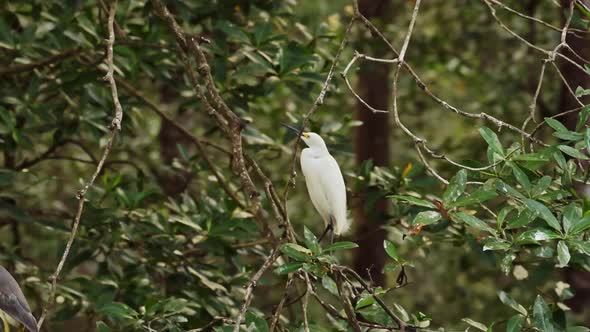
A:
(259, 322)
(544, 251)
(390, 249)
(476, 197)
(502, 215)
(426, 218)
(509, 301)
(311, 241)
(580, 246)
(330, 285)
(581, 225)
(492, 139)
(581, 92)
(455, 188)
(542, 315)
(496, 244)
(102, 327)
(288, 268)
(506, 263)
(571, 214)
(117, 310)
(573, 152)
(506, 190)
(558, 126)
(364, 302)
(515, 323)
(414, 201)
(541, 210)
(560, 159)
(577, 329)
(536, 235)
(541, 185)
(583, 117)
(341, 246)
(568, 135)
(475, 324)
(563, 254)
(472, 221)
(520, 176)
(296, 251)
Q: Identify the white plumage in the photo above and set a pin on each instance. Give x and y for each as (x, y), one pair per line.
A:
(325, 183)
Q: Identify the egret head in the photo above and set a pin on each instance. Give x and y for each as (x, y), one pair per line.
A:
(313, 140)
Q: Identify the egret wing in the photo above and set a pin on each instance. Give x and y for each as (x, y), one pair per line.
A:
(313, 171)
(13, 301)
(335, 192)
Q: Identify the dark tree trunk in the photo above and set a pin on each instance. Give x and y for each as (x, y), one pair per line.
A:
(578, 279)
(371, 143)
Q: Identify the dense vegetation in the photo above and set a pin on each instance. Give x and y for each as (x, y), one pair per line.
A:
(146, 183)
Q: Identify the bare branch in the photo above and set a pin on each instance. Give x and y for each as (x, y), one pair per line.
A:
(114, 128)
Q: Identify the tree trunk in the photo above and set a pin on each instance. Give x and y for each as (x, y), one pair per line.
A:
(578, 279)
(371, 143)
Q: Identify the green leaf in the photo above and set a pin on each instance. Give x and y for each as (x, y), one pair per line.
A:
(455, 188)
(475, 324)
(492, 139)
(587, 139)
(496, 244)
(506, 190)
(542, 315)
(330, 285)
(581, 225)
(541, 210)
(390, 250)
(503, 214)
(288, 268)
(560, 159)
(472, 221)
(563, 254)
(341, 246)
(364, 302)
(572, 152)
(506, 263)
(509, 301)
(414, 201)
(581, 92)
(426, 218)
(536, 235)
(558, 126)
(296, 251)
(476, 197)
(571, 214)
(311, 241)
(515, 323)
(520, 176)
(102, 327)
(259, 322)
(117, 310)
(577, 329)
(583, 117)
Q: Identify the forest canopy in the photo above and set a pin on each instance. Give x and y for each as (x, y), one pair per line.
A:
(147, 182)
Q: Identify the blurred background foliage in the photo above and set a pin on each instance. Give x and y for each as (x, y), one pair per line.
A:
(162, 247)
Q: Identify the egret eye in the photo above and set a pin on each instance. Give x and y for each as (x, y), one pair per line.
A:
(306, 135)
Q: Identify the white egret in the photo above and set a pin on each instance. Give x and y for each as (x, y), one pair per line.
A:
(325, 183)
(14, 303)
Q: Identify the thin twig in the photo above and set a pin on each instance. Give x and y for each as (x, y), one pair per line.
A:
(252, 284)
(114, 129)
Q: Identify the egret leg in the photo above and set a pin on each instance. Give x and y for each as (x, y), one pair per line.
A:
(5, 325)
(329, 228)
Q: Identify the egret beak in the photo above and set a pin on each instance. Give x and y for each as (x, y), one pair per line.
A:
(293, 129)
